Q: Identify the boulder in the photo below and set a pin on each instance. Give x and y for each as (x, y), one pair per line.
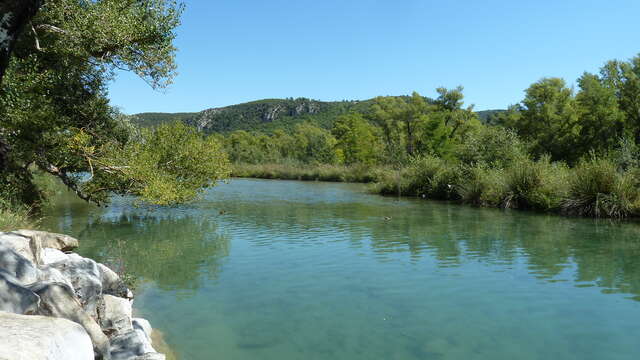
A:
(17, 265)
(144, 326)
(50, 274)
(133, 345)
(51, 240)
(58, 300)
(85, 278)
(115, 315)
(19, 244)
(42, 338)
(50, 256)
(15, 298)
(112, 284)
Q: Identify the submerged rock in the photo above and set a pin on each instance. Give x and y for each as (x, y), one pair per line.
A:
(42, 338)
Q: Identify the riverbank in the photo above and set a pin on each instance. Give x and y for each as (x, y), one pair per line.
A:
(596, 187)
(57, 305)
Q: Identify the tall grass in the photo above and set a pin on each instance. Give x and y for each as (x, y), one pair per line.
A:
(426, 177)
(320, 172)
(14, 218)
(598, 189)
(595, 188)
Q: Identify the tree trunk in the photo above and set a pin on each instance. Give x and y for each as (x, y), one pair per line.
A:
(14, 15)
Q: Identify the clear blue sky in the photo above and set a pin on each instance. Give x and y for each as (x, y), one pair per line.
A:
(232, 51)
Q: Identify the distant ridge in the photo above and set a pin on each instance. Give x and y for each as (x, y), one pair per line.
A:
(267, 115)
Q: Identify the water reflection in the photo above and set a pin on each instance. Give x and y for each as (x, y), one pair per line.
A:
(175, 246)
(290, 270)
(174, 249)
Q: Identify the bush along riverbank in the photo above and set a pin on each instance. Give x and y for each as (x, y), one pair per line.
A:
(603, 187)
(595, 187)
(57, 305)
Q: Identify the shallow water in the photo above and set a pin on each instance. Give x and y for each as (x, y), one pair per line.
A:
(263, 269)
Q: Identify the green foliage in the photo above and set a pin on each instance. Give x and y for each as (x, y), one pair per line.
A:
(538, 185)
(597, 189)
(494, 146)
(601, 120)
(56, 116)
(426, 177)
(320, 172)
(14, 217)
(548, 118)
(168, 165)
(357, 140)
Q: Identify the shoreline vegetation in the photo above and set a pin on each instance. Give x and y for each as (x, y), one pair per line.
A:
(560, 150)
(594, 188)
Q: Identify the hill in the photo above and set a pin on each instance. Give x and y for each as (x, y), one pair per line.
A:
(267, 115)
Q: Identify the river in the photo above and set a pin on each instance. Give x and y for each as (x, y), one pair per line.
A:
(265, 269)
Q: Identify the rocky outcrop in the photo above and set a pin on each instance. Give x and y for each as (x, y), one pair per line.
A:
(55, 303)
(35, 337)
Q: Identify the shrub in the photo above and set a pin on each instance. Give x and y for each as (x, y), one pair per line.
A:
(495, 146)
(14, 218)
(597, 189)
(538, 185)
(482, 186)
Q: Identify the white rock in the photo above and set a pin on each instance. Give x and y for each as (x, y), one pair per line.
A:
(52, 275)
(131, 345)
(58, 300)
(19, 244)
(51, 240)
(144, 326)
(16, 298)
(50, 256)
(111, 282)
(17, 265)
(115, 315)
(85, 277)
(42, 338)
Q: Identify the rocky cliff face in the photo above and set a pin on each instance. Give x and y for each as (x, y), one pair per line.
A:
(254, 113)
(57, 305)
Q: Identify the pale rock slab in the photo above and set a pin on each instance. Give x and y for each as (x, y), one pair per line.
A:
(35, 337)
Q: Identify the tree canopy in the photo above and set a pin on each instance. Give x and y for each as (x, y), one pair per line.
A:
(56, 115)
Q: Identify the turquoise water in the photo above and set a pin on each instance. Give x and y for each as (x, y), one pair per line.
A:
(263, 269)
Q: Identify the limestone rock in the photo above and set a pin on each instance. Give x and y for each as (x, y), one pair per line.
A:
(112, 284)
(130, 345)
(51, 240)
(17, 265)
(52, 275)
(19, 244)
(15, 298)
(115, 315)
(50, 256)
(144, 326)
(42, 338)
(85, 278)
(58, 300)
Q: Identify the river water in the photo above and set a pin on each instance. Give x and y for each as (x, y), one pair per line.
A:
(264, 269)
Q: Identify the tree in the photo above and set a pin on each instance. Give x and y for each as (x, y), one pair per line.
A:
(356, 139)
(601, 121)
(56, 116)
(624, 77)
(548, 118)
(314, 145)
